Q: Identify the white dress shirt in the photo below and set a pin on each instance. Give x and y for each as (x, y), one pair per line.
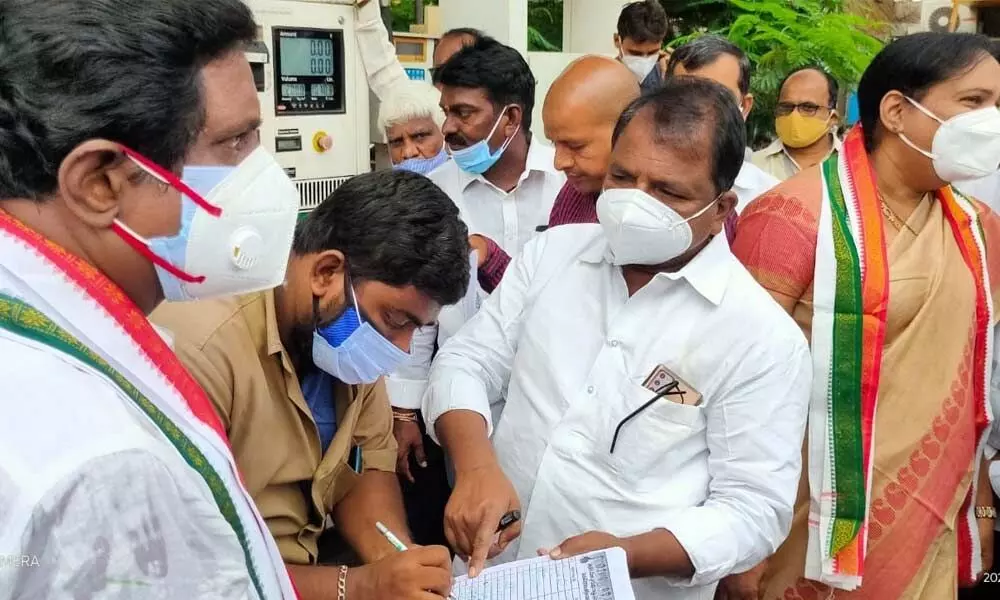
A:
(509, 219)
(751, 182)
(571, 349)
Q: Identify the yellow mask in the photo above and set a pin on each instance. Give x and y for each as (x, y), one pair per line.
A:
(797, 131)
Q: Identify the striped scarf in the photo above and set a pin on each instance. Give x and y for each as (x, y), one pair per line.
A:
(851, 299)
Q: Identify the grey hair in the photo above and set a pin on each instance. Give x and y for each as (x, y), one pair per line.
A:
(410, 100)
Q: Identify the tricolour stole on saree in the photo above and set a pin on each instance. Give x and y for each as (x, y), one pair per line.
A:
(850, 311)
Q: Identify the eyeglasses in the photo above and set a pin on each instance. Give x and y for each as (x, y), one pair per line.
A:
(671, 388)
(806, 109)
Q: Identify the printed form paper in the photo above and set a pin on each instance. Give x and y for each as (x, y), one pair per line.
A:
(601, 575)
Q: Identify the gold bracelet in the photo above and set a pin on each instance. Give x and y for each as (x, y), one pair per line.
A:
(342, 584)
(404, 417)
(986, 512)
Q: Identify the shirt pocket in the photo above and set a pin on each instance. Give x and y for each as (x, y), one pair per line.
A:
(655, 437)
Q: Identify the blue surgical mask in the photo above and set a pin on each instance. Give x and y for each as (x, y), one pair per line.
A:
(353, 351)
(174, 248)
(421, 165)
(477, 158)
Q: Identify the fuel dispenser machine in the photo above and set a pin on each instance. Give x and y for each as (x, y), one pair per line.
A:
(313, 93)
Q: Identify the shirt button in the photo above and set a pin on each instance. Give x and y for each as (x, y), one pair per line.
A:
(614, 343)
(590, 389)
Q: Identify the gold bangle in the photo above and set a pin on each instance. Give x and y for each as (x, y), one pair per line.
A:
(404, 417)
(986, 512)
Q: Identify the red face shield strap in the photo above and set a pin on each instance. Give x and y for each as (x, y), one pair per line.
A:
(137, 242)
(172, 180)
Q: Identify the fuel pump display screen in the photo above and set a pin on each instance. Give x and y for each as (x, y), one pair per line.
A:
(309, 66)
(303, 56)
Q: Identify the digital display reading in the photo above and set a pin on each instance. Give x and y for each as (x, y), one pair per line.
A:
(306, 57)
(293, 90)
(288, 144)
(410, 49)
(322, 90)
(308, 72)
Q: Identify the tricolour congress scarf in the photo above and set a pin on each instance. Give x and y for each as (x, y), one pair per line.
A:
(850, 306)
(123, 348)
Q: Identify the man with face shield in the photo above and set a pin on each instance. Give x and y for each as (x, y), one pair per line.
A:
(656, 396)
(877, 251)
(123, 182)
(295, 374)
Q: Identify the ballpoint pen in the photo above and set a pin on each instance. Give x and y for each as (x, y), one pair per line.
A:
(398, 545)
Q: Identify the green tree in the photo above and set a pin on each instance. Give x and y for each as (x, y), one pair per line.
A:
(404, 13)
(779, 36)
(545, 18)
(545, 25)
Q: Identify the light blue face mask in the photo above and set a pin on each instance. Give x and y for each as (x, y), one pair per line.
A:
(477, 158)
(353, 351)
(421, 165)
(174, 248)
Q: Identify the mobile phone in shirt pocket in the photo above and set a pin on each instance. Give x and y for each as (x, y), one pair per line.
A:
(654, 436)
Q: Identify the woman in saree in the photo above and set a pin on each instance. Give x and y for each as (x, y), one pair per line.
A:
(888, 271)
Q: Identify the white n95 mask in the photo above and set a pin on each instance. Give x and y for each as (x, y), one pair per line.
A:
(641, 66)
(966, 146)
(641, 230)
(237, 225)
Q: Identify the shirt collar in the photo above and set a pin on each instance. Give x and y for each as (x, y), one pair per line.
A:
(776, 147)
(708, 272)
(273, 340)
(537, 161)
(745, 178)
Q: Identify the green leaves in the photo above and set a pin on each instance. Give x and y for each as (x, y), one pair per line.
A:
(545, 25)
(780, 36)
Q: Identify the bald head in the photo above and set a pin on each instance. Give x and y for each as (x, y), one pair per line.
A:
(599, 86)
(580, 112)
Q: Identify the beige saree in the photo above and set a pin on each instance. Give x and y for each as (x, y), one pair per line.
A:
(925, 447)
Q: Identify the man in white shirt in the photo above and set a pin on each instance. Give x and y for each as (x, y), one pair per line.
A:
(656, 396)
(116, 478)
(718, 59)
(503, 181)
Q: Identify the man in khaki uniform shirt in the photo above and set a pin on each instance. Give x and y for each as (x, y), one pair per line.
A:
(387, 250)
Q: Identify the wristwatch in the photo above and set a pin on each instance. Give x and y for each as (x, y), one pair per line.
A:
(986, 512)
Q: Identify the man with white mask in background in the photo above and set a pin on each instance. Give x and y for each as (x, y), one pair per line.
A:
(642, 30)
(656, 395)
(130, 172)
